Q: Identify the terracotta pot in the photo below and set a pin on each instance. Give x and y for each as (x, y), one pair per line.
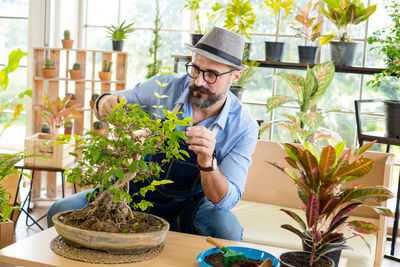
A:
(123, 243)
(92, 103)
(75, 74)
(6, 233)
(49, 73)
(67, 43)
(105, 76)
(99, 131)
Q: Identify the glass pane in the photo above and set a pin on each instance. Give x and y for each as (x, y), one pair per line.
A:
(343, 124)
(13, 138)
(10, 40)
(260, 87)
(102, 12)
(17, 8)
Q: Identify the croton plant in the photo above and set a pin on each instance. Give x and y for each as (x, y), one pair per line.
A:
(319, 177)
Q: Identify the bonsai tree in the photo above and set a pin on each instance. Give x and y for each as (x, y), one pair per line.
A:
(305, 125)
(320, 178)
(56, 113)
(344, 14)
(67, 42)
(309, 29)
(152, 68)
(118, 34)
(387, 42)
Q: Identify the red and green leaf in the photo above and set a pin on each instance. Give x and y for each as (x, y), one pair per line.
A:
(326, 161)
(292, 229)
(312, 210)
(363, 227)
(296, 217)
(383, 211)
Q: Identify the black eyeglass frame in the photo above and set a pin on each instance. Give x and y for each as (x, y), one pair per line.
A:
(190, 64)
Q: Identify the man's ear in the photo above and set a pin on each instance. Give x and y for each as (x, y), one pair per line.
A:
(236, 75)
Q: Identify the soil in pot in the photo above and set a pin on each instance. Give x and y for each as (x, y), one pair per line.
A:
(111, 217)
(217, 260)
(301, 259)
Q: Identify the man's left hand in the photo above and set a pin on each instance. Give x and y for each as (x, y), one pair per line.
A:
(202, 142)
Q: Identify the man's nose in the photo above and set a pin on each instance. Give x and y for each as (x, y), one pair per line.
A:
(199, 81)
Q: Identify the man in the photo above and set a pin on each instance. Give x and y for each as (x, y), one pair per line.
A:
(220, 143)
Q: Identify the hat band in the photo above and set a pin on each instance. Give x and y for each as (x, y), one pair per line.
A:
(217, 52)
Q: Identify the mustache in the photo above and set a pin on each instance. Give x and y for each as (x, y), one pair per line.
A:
(203, 90)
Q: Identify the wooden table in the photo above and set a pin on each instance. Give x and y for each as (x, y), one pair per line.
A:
(180, 250)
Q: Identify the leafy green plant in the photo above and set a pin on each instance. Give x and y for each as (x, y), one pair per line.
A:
(67, 35)
(48, 64)
(310, 28)
(56, 113)
(106, 65)
(152, 68)
(119, 32)
(281, 10)
(239, 16)
(305, 126)
(388, 45)
(344, 14)
(247, 74)
(196, 6)
(320, 178)
(110, 163)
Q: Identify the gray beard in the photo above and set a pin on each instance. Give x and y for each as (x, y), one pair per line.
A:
(201, 103)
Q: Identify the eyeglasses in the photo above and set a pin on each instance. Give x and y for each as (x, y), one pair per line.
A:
(209, 76)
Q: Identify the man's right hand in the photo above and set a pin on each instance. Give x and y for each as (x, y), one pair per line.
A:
(106, 104)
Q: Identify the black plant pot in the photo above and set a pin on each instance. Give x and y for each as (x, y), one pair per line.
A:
(342, 53)
(334, 255)
(237, 91)
(307, 54)
(246, 52)
(117, 45)
(274, 51)
(288, 259)
(195, 37)
(392, 118)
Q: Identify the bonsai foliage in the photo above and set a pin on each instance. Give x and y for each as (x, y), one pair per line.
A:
(319, 178)
(152, 68)
(388, 44)
(247, 73)
(344, 14)
(239, 16)
(119, 32)
(310, 29)
(56, 113)
(281, 10)
(305, 125)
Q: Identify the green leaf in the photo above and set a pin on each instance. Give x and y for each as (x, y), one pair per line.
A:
(277, 101)
(297, 218)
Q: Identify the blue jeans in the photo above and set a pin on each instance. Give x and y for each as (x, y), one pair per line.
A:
(208, 220)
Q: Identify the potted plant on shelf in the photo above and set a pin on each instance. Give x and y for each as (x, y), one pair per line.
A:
(238, 87)
(93, 100)
(118, 34)
(239, 18)
(49, 70)
(67, 42)
(99, 127)
(68, 125)
(45, 128)
(105, 73)
(72, 101)
(76, 72)
(110, 163)
(305, 126)
(321, 179)
(387, 44)
(344, 14)
(281, 10)
(309, 31)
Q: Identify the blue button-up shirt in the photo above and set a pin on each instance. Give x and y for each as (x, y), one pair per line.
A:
(235, 141)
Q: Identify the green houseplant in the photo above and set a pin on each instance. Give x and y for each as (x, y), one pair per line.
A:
(239, 18)
(110, 163)
(305, 125)
(76, 71)
(105, 73)
(320, 177)
(118, 34)
(344, 14)
(152, 68)
(49, 70)
(309, 30)
(67, 42)
(280, 9)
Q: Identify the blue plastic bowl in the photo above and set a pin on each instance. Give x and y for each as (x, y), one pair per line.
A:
(248, 253)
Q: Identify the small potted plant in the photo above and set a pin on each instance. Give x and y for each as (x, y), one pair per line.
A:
(281, 10)
(72, 101)
(49, 70)
(76, 72)
(239, 18)
(238, 87)
(344, 14)
(309, 30)
(68, 125)
(93, 100)
(321, 178)
(67, 42)
(45, 128)
(118, 34)
(99, 127)
(194, 5)
(105, 73)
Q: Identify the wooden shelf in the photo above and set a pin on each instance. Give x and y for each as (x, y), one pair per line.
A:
(78, 80)
(291, 65)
